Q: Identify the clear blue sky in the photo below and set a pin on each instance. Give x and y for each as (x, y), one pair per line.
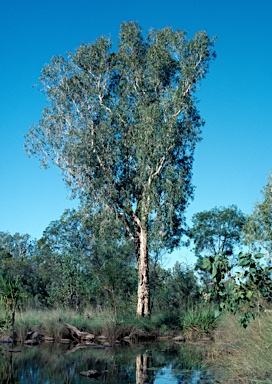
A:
(232, 162)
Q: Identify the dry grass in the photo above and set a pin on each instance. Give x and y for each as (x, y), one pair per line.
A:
(245, 355)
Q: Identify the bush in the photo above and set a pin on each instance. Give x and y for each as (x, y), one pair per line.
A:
(199, 320)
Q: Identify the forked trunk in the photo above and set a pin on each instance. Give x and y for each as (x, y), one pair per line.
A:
(143, 306)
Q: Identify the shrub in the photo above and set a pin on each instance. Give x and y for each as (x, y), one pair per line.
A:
(199, 320)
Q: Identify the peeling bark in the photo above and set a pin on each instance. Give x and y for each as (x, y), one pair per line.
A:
(143, 306)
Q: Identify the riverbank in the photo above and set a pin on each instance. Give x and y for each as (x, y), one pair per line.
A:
(53, 324)
(242, 355)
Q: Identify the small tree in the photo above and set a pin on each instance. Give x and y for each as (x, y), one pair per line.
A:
(123, 127)
(258, 228)
(217, 231)
(215, 234)
(10, 296)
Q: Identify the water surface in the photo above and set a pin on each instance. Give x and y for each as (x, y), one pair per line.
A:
(154, 363)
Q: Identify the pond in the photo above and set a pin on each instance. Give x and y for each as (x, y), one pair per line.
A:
(156, 363)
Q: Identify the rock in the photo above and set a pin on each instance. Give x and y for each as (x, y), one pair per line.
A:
(76, 334)
(87, 336)
(163, 338)
(65, 341)
(106, 345)
(6, 339)
(179, 338)
(90, 373)
(31, 342)
(49, 339)
(36, 336)
(102, 337)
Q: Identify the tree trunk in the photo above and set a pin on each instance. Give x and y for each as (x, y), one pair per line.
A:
(143, 306)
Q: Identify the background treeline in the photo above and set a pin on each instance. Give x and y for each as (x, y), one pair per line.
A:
(82, 262)
(87, 260)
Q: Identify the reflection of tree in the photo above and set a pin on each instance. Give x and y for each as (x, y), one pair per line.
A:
(142, 364)
(116, 365)
(6, 370)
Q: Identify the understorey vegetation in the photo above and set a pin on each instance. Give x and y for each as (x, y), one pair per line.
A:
(82, 275)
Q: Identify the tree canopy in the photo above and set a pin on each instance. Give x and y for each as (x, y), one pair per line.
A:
(258, 228)
(123, 127)
(217, 231)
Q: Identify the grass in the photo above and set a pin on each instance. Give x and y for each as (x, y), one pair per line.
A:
(50, 323)
(199, 320)
(244, 354)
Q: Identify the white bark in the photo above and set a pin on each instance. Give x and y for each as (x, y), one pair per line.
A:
(143, 306)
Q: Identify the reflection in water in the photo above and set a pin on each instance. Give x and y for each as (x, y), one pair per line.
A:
(142, 374)
(6, 369)
(137, 364)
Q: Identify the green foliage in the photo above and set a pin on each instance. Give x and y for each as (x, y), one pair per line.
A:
(123, 127)
(78, 258)
(236, 289)
(16, 246)
(217, 231)
(85, 259)
(173, 290)
(10, 297)
(17, 261)
(200, 319)
(258, 228)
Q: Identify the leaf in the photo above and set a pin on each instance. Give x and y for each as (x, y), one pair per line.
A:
(217, 313)
(244, 263)
(206, 263)
(249, 295)
(214, 271)
(259, 256)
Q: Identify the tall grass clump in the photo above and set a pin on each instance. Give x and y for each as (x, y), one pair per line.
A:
(49, 322)
(244, 354)
(116, 327)
(199, 320)
(27, 321)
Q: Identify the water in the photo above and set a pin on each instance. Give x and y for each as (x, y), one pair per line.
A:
(127, 364)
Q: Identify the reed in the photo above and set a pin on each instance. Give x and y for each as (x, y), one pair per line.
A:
(244, 354)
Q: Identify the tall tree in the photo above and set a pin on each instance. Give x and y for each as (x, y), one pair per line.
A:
(123, 127)
(258, 228)
(217, 231)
